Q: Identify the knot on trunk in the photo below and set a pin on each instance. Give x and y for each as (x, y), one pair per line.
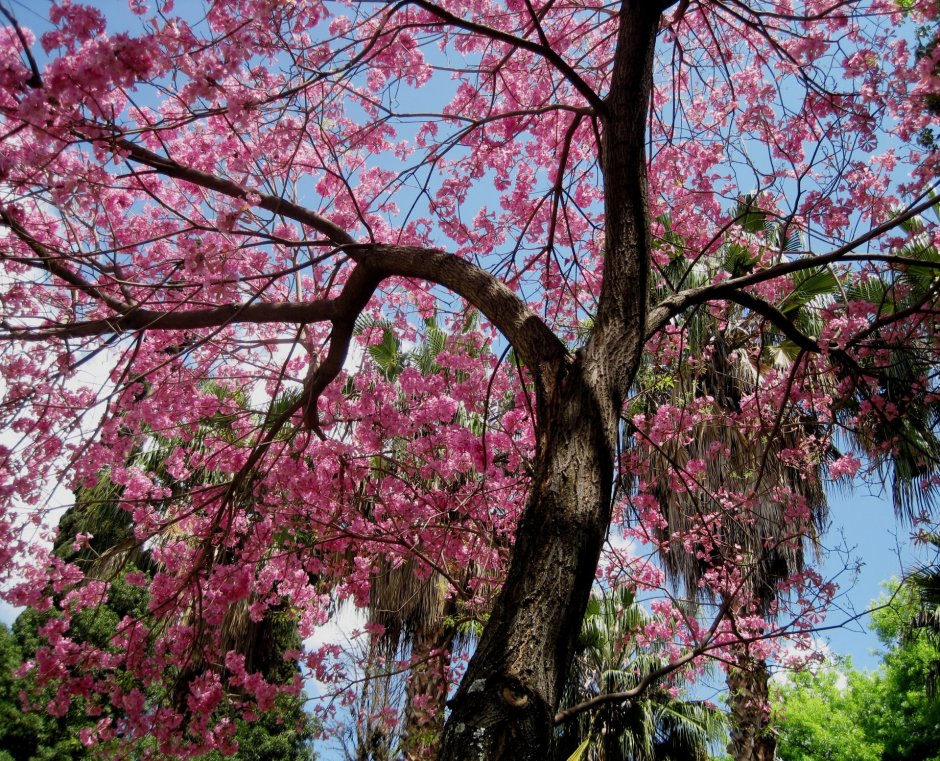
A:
(497, 718)
(515, 694)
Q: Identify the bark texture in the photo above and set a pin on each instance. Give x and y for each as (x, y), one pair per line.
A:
(752, 738)
(427, 689)
(506, 702)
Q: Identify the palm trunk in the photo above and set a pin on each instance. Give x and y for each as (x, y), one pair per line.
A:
(427, 689)
(373, 739)
(752, 737)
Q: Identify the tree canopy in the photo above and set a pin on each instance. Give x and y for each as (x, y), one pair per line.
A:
(651, 248)
(890, 715)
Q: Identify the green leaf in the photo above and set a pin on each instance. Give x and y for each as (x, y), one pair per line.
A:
(807, 285)
(873, 291)
(387, 354)
(738, 260)
(365, 321)
(436, 336)
(749, 217)
(471, 320)
(789, 243)
(782, 356)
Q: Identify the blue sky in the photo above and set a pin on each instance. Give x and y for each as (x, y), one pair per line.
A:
(865, 525)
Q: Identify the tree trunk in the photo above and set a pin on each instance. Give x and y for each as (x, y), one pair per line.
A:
(427, 689)
(505, 705)
(752, 737)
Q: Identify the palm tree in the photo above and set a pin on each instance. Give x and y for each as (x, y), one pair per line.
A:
(737, 461)
(413, 608)
(654, 727)
(771, 542)
(925, 585)
(900, 438)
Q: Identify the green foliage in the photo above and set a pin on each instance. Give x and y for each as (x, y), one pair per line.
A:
(925, 584)
(843, 715)
(18, 732)
(654, 727)
(808, 285)
(275, 736)
(909, 720)
(819, 715)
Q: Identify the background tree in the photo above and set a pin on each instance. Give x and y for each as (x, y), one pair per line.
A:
(117, 568)
(723, 362)
(820, 714)
(417, 613)
(838, 712)
(18, 730)
(661, 724)
(924, 584)
(909, 724)
(223, 197)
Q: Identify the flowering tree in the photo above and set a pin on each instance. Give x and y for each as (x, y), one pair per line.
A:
(215, 200)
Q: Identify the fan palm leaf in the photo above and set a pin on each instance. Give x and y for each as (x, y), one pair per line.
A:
(609, 660)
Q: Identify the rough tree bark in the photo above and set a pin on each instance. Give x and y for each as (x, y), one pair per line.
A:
(506, 702)
(505, 705)
(427, 688)
(752, 739)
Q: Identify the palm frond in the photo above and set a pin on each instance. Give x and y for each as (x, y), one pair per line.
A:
(610, 660)
(747, 456)
(387, 354)
(808, 285)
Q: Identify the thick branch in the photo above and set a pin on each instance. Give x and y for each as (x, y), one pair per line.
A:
(626, 695)
(531, 338)
(356, 294)
(35, 79)
(653, 676)
(183, 319)
(51, 264)
(535, 343)
(616, 342)
(538, 347)
(773, 315)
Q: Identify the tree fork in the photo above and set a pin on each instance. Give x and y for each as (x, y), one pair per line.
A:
(506, 702)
